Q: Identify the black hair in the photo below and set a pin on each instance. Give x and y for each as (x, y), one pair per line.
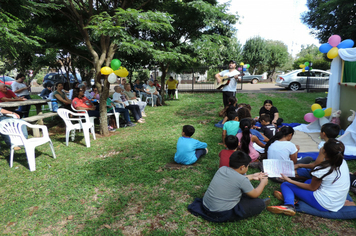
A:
(20, 76)
(93, 87)
(75, 84)
(243, 113)
(238, 159)
(265, 118)
(331, 130)
(231, 142)
(284, 131)
(188, 130)
(245, 126)
(171, 77)
(58, 83)
(268, 101)
(334, 151)
(248, 106)
(75, 92)
(232, 100)
(232, 115)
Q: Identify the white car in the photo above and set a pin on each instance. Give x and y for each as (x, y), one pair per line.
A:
(298, 80)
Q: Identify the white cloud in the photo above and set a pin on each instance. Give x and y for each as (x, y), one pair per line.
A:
(273, 19)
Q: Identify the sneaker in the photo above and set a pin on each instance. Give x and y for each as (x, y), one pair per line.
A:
(278, 195)
(206, 151)
(283, 209)
(353, 190)
(131, 124)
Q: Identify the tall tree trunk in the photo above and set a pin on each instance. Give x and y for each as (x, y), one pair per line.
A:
(164, 69)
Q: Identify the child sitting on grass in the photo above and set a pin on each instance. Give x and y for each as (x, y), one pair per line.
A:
(267, 128)
(231, 143)
(328, 130)
(328, 188)
(189, 150)
(230, 195)
(230, 127)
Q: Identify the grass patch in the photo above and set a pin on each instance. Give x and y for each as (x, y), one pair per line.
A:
(121, 186)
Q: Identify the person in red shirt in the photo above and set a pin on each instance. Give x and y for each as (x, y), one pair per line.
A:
(7, 95)
(231, 143)
(80, 102)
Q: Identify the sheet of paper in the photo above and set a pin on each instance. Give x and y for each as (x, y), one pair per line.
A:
(274, 168)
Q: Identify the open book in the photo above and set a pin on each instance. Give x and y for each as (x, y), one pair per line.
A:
(276, 167)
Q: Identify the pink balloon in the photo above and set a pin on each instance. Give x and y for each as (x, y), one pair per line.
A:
(309, 117)
(334, 40)
(239, 68)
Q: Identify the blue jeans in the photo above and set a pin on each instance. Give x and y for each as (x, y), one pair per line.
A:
(289, 192)
(25, 109)
(7, 137)
(125, 112)
(200, 152)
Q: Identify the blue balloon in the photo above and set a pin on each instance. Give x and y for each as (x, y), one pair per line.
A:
(306, 68)
(324, 109)
(347, 43)
(324, 48)
(244, 69)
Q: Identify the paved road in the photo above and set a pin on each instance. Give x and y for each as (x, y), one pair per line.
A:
(246, 88)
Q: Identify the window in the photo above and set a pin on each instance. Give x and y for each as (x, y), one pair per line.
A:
(349, 72)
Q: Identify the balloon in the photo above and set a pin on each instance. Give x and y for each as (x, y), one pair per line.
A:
(328, 111)
(244, 69)
(334, 40)
(241, 64)
(301, 66)
(310, 68)
(122, 72)
(324, 48)
(306, 63)
(112, 78)
(106, 70)
(239, 68)
(347, 43)
(115, 64)
(315, 106)
(247, 66)
(309, 117)
(334, 52)
(318, 113)
(303, 70)
(307, 68)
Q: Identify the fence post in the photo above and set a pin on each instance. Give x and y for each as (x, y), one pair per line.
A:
(192, 79)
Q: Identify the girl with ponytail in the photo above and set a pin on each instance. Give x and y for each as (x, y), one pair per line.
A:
(281, 147)
(247, 139)
(328, 188)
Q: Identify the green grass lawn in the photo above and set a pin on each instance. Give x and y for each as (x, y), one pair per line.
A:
(120, 184)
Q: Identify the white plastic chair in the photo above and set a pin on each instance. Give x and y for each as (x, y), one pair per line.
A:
(12, 127)
(91, 118)
(81, 122)
(148, 98)
(117, 116)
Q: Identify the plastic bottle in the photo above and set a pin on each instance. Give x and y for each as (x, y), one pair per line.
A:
(54, 105)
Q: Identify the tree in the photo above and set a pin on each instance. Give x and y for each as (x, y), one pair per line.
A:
(311, 53)
(277, 53)
(255, 52)
(327, 18)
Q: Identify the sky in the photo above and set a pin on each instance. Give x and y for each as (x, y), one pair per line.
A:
(273, 19)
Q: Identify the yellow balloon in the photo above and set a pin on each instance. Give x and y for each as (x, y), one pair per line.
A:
(106, 70)
(241, 64)
(303, 70)
(315, 106)
(301, 66)
(122, 72)
(328, 111)
(334, 52)
(117, 72)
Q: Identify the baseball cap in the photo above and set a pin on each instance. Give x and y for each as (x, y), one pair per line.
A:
(232, 61)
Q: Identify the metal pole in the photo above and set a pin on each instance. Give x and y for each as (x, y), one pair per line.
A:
(192, 79)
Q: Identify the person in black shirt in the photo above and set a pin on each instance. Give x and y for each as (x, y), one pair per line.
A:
(267, 128)
(272, 112)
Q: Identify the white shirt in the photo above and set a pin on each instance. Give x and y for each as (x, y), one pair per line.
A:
(117, 97)
(331, 195)
(281, 150)
(15, 86)
(231, 87)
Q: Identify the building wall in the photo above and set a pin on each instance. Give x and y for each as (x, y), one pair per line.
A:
(347, 103)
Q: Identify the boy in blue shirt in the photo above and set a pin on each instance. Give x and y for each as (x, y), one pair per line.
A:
(189, 150)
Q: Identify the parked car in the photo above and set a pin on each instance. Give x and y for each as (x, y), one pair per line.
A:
(56, 77)
(253, 79)
(6, 80)
(297, 79)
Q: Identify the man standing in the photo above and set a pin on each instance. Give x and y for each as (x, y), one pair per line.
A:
(172, 85)
(229, 89)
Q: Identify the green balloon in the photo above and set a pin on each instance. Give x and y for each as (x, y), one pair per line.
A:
(306, 63)
(247, 66)
(115, 64)
(319, 113)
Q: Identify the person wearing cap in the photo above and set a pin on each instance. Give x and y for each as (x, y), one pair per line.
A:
(229, 90)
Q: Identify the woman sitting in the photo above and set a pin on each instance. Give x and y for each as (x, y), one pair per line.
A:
(151, 89)
(132, 97)
(80, 102)
(62, 99)
(95, 97)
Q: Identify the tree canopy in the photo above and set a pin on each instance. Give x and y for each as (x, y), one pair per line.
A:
(327, 18)
(255, 52)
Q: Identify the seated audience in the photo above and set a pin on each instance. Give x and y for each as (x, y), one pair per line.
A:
(139, 89)
(132, 97)
(157, 99)
(80, 102)
(267, 128)
(189, 150)
(231, 126)
(94, 94)
(272, 111)
(47, 90)
(62, 99)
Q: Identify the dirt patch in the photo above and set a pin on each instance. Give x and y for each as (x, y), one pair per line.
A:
(175, 166)
(312, 222)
